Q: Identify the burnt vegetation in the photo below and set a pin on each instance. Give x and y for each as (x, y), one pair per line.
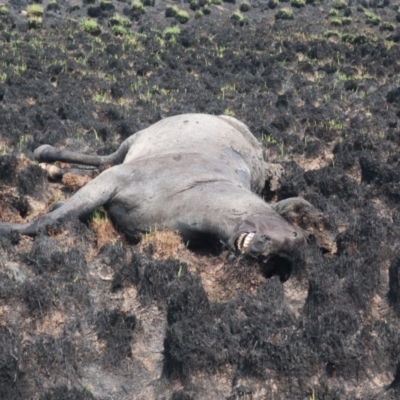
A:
(319, 84)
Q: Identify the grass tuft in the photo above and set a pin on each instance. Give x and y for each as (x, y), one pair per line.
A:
(273, 4)
(194, 5)
(35, 10)
(4, 10)
(35, 22)
(298, 3)
(340, 4)
(182, 16)
(119, 30)
(171, 33)
(91, 26)
(138, 6)
(328, 33)
(284, 13)
(387, 26)
(337, 21)
(237, 16)
(120, 20)
(245, 6)
(372, 18)
(171, 11)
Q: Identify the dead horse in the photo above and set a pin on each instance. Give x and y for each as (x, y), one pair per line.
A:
(193, 173)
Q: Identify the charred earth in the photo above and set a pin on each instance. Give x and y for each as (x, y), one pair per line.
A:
(86, 313)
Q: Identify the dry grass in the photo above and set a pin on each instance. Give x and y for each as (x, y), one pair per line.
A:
(74, 182)
(6, 213)
(104, 229)
(166, 244)
(221, 280)
(51, 324)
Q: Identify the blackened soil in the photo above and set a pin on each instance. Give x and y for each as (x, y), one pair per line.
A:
(320, 90)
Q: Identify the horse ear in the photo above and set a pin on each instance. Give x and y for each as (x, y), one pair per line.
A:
(294, 209)
(315, 224)
(273, 176)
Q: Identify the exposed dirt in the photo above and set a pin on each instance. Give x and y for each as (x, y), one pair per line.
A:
(88, 314)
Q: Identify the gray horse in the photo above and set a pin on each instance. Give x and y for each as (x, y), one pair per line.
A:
(201, 175)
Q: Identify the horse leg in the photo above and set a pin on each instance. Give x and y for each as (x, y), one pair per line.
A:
(96, 193)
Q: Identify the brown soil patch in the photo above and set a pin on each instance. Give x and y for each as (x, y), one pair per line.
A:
(51, 324)
(74, 182)
(105, 231)
(164, 244)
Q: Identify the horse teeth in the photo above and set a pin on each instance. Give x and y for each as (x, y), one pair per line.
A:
(240, 241)
(244, 240)
(248, 240)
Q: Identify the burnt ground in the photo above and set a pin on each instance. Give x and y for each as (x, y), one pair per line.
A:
(87, 314)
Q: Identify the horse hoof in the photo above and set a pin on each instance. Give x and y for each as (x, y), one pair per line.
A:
(44, 153)
(53, 172)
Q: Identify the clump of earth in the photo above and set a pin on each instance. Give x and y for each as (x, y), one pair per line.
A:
(87, 313)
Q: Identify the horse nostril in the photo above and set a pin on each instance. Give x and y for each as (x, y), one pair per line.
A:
(311, 238)
(294, 234)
